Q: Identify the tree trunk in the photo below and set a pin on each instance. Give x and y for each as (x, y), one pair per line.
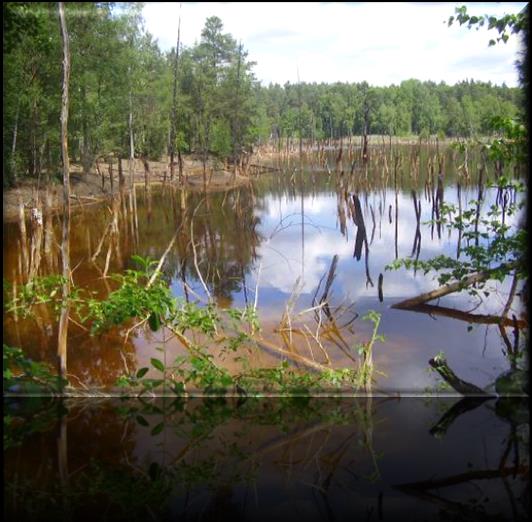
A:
(36, 240)
(101, 174)
(131, 143)
(49, 233)
(25, 265)
(65, 246)
(146, 172)
(14, 145)
(174, 108)
(120, 175)
(111, 181)
(86, 159)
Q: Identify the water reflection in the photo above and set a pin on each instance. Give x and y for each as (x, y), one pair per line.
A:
(294, 224)
(327, 459)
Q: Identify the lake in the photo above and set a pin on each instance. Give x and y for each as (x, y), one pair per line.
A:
(331, 232)
(261, 459)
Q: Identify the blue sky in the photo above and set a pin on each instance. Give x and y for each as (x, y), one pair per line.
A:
(381, 43)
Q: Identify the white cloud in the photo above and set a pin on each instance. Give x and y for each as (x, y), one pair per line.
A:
(381, 43)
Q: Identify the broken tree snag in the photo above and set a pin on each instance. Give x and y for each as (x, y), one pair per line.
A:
(381, 298)
(121, 180)
(111, 181)
(100, 173)
(146, 172)
(477, 277)
(463, 387)
(36, 220)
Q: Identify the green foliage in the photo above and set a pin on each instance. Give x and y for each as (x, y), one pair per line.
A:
(133, 299)
(199, 369)
(511, 144)
(220, 109)
(491, 246)
(506, 25)
(40, 290)
(25, 376)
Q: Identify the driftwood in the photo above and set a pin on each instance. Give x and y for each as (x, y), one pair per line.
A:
(463, 387)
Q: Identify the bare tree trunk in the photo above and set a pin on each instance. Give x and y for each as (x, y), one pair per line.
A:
(146, 172)
(131, 143)
(174, 108)
(65, 246)
(111, 175)
(14, 145)
(36, 240)
(101, 174)
(49, 232)
(23, 238)
(120, 175)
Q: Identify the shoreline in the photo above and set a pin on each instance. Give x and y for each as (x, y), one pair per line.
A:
(87, 189)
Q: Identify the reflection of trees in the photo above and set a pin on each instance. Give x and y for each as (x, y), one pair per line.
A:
(133, 458)
(130, 463)
(225, 237)
(514, 411)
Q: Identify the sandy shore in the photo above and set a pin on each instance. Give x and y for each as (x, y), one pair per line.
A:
(87, 189)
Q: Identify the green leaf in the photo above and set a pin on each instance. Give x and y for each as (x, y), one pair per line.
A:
(178, 388)
(142, 372)
(154, 321)
(156, 363)
(142, 421)
(158, 429)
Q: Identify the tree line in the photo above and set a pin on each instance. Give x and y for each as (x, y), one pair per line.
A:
(130, 99)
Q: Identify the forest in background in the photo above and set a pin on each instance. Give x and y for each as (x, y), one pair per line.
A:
(130, 99)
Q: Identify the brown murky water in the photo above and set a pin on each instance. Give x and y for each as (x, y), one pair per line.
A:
(263, 459)
(285, 226)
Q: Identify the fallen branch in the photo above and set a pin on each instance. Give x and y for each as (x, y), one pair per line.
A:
(477, 277)
(267, 345)
(163, 257)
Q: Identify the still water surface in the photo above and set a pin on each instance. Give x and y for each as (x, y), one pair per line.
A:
(288, 226)
(334, 459)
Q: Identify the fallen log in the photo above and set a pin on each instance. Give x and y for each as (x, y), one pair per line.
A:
(478, 277)
(440, 292)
